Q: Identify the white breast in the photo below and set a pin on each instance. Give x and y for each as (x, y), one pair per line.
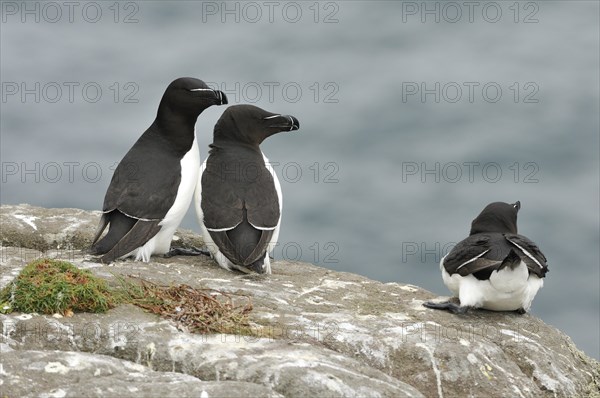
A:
(275, 236)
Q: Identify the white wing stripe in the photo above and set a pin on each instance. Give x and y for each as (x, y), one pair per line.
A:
(264, 228)
(471, 260)
(140, 218)
(222, 229)
(527, 254)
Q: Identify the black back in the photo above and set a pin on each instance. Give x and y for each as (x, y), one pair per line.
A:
(236, 178)
(238, 191)
(492, 239)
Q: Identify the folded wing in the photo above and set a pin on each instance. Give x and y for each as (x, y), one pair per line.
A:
(481, 254)
(240, 209)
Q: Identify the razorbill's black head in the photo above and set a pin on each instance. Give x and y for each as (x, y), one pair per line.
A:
(249, 124)
(183, 101)
(238, 197)
(153, 184)
(494, 268)
(497, 217)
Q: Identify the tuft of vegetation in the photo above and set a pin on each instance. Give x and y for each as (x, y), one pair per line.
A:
(196, 310)
(50, 286)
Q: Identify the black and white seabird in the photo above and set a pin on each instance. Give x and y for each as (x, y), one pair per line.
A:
(153, 185)
(238, 196)
(494, 268)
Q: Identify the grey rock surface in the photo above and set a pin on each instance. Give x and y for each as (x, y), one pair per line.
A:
(78, 374)
(322, 333)
(63, 230)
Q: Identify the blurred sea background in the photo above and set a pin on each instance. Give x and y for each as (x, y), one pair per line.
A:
(414, 116)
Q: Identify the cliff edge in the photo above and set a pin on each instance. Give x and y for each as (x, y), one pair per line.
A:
(324, 333)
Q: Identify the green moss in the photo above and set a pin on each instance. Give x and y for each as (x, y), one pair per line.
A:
(49, 286)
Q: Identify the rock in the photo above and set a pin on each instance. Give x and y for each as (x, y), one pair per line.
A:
(322, 333)
(78, 374)
(31, 227)
(290, 368)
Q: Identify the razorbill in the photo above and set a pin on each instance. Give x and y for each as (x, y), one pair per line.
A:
(152, 187)
(238, 196)
(494, 268)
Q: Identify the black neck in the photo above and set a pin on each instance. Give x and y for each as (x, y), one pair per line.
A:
(176, 129)
(169, 120)
(226, 144)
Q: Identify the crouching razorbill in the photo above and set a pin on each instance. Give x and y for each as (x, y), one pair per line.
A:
(153, 185)
(238, 196)
(494, 268)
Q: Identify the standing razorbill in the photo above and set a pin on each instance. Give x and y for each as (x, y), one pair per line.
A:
(494, 268)
(153, 184)
(238, 196)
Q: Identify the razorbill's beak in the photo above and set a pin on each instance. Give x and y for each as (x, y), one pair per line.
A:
(517, 205)
(287, 122)
(221, 97)
(295, 123)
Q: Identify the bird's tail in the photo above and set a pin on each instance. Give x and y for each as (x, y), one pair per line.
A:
(511, 261)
